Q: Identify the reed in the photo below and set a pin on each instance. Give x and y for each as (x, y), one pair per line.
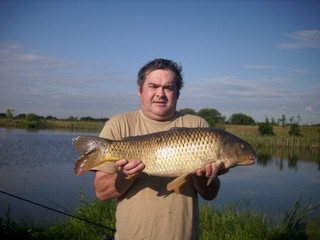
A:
(89, 126)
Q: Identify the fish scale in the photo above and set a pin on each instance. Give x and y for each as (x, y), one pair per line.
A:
(167, 154)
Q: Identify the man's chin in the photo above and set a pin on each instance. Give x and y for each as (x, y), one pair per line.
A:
(163, 114)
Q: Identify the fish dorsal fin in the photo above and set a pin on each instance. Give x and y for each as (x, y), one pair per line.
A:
(177, 184)
(86, 144)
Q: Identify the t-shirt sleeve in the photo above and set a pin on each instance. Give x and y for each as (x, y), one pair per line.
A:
(109, 131)
(203, 123)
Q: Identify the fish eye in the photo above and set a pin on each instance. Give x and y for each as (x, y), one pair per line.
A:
(243, 146)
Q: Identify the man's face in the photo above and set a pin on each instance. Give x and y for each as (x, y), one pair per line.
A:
(158, 96)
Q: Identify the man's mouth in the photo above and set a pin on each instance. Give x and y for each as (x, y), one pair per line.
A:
(160, 102)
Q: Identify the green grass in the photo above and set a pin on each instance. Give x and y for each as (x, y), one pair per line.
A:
(233, 221)
(242, 222)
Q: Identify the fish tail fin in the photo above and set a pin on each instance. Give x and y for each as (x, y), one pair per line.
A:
(86, 162)
(93, 150)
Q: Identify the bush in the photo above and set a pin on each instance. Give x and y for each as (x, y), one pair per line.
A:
(266, 128)
(295, 130)
(241, 119)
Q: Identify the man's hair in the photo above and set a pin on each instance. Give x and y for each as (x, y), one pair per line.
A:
(163, 64)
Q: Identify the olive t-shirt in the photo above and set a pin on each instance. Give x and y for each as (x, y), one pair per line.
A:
(147, 210)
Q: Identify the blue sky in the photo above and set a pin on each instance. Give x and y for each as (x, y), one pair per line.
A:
(81, 58)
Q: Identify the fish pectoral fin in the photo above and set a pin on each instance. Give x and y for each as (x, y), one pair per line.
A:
(177, 184)
(214, 174)
(210, 179)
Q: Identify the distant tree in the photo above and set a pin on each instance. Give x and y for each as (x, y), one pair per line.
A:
(184, 111)
(273, 121)
(283, 120)
(295, 130)
(103, 119)
(291, 120)
(10, 113)
(3, 115)
(266, 128)
(299, 118)
(34, 121)
(241, 119)
(212, 116)
(21, 116)
(295, 127)
(32, 117)
(50, 118)
(86, 119)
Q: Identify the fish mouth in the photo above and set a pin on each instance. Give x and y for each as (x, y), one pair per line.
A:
(252, 159)
(249, 161)
(246, 163)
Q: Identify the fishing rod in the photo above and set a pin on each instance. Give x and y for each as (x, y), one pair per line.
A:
(61, 212)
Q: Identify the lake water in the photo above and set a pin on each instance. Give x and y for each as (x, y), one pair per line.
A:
(38, 166)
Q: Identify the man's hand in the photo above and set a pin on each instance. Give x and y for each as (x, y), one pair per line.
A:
(130, 168)
(212, 169)
(206, 182)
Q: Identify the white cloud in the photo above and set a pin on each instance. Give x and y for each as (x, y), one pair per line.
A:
(275, 67)
(262, 67)
(284, 108)
(309, 109)
(302, 39)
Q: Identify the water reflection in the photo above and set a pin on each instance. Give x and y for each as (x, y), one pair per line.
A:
(289, 156)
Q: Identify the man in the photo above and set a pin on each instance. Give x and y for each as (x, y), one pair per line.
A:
(146, 210)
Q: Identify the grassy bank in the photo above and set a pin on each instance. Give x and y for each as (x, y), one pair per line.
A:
(309, 140)
(72, 125)
(235, 221)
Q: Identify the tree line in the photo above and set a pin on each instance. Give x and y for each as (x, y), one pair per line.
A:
(9, 114)
(211, 115)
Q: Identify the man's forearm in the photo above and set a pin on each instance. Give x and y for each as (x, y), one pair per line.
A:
(208, 192)
(109, 186)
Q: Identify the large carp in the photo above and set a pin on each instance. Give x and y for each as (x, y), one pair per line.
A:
(174, 153)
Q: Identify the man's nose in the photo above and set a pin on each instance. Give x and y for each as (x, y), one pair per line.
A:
(160, 91)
